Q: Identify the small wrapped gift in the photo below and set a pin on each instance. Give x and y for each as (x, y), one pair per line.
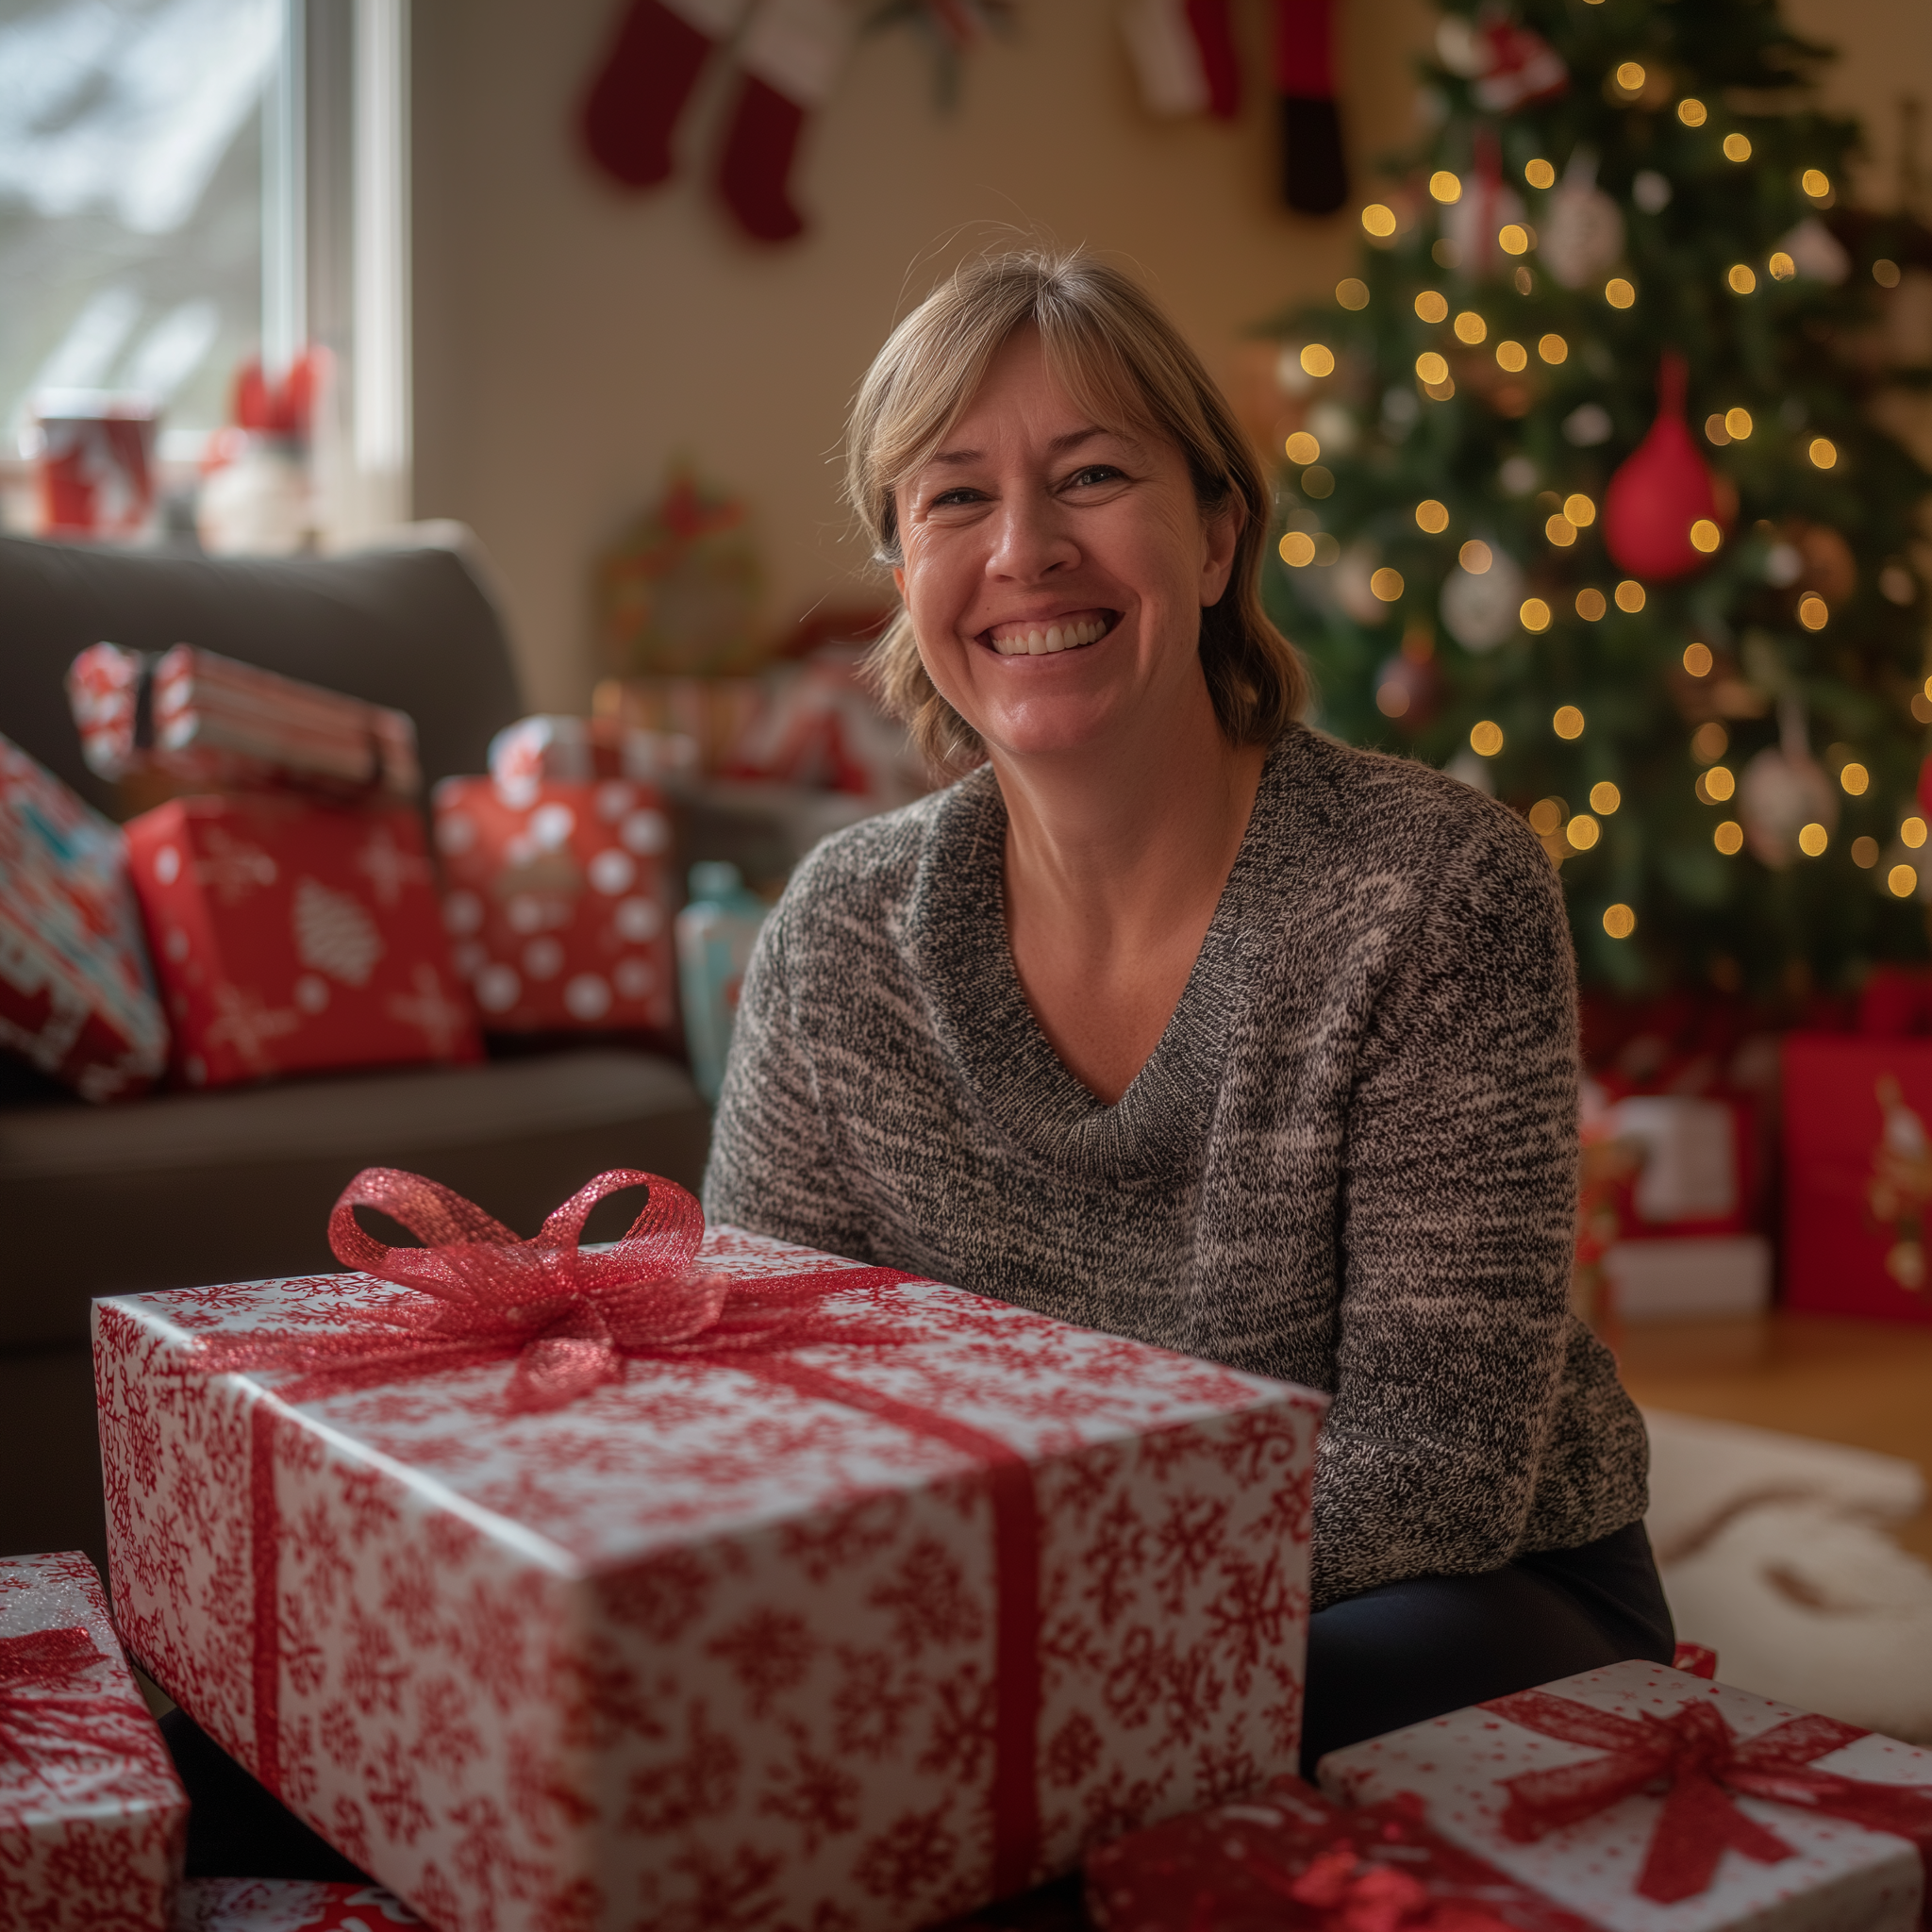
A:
(290, 936)
(93, 1821)
(287, 1905)
(1290, 1860)
(1647, 1800)
(76, 998)
(560, 902)
(703, 1581)
(544, 749)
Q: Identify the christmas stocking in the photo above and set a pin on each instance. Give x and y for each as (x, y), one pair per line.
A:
(1315, 176)
(634, 103)
(791, 55)
(1183, 55)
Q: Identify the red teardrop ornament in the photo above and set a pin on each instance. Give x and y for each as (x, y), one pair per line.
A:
(1661, 488)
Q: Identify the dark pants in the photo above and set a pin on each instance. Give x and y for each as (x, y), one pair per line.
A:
(1390, 1656)
(1404, 1652)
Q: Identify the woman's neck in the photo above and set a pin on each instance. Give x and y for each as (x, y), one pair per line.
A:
(1115, 862)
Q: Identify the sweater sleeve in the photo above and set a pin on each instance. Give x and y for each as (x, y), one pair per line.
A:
(1458, 1208)
(776, 1165)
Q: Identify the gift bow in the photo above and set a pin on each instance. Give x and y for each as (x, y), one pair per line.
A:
(1354, 1894)
(569, 1320)
(52, 1722)
(1705, 1768)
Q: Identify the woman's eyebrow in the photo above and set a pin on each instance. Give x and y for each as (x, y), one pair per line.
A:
(1058, 447)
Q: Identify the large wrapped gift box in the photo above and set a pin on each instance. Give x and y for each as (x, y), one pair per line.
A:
(93, 1821)
(75, 994)
(1647, 1800)
(856, 1634)
(1857, 1178)
(291, 935)
(1286, 1860)
(560, 902)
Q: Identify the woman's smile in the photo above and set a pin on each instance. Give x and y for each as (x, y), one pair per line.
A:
(1046, 637)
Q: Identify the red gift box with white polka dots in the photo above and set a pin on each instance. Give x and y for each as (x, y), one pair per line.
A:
(288, 937)
(557, 901)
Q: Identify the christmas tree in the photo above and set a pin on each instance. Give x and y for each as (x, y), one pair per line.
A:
(1589, 505)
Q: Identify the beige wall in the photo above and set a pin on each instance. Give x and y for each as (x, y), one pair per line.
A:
(571, 338)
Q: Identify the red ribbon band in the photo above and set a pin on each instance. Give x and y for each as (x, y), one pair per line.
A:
(52, 1724)
(1697, 1756)
(572, 1322)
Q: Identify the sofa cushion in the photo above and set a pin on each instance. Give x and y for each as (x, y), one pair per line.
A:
(189, 1189)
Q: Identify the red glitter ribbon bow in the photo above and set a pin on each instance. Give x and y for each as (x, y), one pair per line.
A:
(570, 1320)
(1698, 1759)
(39, 1719)
(1354, 1894)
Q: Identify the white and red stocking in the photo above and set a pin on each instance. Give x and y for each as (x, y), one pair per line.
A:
(634, 103)
(1314, 174)
(1184, 56)
(791, 55)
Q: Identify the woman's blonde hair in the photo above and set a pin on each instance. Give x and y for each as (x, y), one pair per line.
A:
(1115, 352)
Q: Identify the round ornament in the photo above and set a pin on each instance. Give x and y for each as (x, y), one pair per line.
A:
(1581, 237)
(1488, 205)
(1479, 609)
(1780, 791)
(1659, 489)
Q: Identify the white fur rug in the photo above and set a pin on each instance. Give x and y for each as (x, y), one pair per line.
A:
(1773, 1551)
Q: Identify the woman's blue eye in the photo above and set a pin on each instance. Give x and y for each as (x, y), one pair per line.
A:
(1094, 473)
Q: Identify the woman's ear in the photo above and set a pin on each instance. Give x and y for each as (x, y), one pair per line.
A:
(1221, 532)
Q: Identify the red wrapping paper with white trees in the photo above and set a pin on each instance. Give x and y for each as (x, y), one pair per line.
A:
(854, 1635)
(93, 1820)
(292, 936)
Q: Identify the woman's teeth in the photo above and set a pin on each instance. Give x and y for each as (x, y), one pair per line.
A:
(1054, 637)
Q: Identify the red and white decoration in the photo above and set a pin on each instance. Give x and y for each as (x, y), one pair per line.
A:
(289, 937)
(820, 727)
(1184, 56)
(1647, 1800)
(545, 749)
(75, 994)
(93, 1820)
(95, 462)
(1289, 1858)
(861, 1617)
(558, 901)
(286, 1904)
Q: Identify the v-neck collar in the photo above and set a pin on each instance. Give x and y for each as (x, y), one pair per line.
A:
(964, 962)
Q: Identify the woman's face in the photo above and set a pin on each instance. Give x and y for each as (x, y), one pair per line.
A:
(1056, 569)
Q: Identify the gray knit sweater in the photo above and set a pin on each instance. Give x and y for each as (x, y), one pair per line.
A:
(1350, 1161)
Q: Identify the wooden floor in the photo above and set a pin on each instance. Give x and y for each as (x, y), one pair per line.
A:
(1865, 1383)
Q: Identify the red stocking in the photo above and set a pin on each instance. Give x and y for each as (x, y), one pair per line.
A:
(1184, 56)
(635, 100)
(791, 54)
(1315, 176)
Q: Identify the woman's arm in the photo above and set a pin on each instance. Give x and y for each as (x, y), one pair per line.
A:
(775, 1167)
(1458, 1198)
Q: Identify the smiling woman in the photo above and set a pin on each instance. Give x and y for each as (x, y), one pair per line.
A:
(1175, 1019)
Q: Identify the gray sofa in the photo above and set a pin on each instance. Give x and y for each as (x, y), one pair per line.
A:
(183, 1188)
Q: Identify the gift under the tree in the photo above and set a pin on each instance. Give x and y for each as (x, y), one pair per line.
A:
(286, 1904)
(1287, 1860)
(290, 936)
(75, 994)
(697, 1585)
(558, 902)
(93, 1820)
(1647, 1800)
(1857, 1175)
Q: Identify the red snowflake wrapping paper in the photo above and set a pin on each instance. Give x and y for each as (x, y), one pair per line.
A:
(291, 935)
(75, 994)
(700, 1652)
(93, 1820)
(287, 1905)
(1810, 1869)
(1288, 1861)
(558, 901)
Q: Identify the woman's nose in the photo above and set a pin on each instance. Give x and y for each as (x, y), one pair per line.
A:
(1030, 537)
